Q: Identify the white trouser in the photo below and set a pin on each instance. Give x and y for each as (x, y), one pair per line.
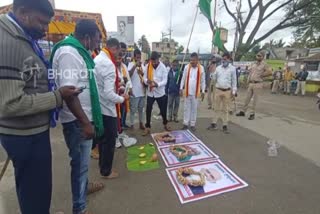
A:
(190, 111)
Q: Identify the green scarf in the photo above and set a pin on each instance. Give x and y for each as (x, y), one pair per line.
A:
(177, 76)
(94, 95)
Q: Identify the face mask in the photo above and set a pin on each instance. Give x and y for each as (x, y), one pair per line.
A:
(225, 64)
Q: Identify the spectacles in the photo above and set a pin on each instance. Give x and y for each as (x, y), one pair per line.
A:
(259, 56)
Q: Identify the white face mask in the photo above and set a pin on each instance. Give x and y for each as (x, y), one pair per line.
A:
(225, 63)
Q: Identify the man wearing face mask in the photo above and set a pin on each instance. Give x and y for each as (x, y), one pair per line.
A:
(74, 65)
(226, 86)
(26, 101)
(194, 83)
(156, 77)
(257, 72)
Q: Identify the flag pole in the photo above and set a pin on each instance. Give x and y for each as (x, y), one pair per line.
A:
(194, 22)
(213, 50)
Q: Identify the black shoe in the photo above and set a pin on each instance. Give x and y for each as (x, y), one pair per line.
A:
(251, 117)
(225, 130)
(213, 126)
(193, 128)
(241, 114)
(185, 127)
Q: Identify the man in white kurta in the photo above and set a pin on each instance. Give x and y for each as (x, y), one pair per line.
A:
(194, 84)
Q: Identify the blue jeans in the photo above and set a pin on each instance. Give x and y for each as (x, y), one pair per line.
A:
(31, 158)
(79, 152)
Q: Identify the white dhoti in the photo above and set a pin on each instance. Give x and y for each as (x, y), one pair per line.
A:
(190, 110)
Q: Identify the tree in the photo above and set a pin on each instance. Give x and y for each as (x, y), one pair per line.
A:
(180, 49)
(308, 32)
(265, 9)
(144, 44)
(311, 43)
(274, 44)
(251, 55)
(135, 46)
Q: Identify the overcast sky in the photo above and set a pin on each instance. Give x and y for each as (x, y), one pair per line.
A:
(153, 17)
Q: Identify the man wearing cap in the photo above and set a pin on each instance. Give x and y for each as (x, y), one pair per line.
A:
(257, 72)
(27, 97)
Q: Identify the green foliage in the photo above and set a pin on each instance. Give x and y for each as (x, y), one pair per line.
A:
(144, 44)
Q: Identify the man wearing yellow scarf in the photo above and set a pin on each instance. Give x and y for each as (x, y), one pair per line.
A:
(156, 77)
(194, 83)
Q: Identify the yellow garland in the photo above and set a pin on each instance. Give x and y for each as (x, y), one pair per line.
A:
(184, 151)
(188, 171)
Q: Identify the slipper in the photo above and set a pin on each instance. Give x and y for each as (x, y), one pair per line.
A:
(111, 176)
(94, 187)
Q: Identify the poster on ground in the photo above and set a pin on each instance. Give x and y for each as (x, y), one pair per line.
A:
(181, 154)
(181, 136)
(218, 179)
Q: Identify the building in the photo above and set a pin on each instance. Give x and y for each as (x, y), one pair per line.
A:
(286, 53)
(164, 48)
(314, 51)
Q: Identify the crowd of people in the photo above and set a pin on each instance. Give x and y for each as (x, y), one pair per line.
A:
(288, 82)
(92, 94)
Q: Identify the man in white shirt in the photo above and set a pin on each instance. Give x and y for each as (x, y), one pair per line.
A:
(194, 83)
(71, 62)
(137, 99)
(108, 83)
(155, 77)
(226, 86)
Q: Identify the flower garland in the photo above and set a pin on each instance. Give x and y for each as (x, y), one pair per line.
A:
(181, 151)
(188, 171)
(166, 137)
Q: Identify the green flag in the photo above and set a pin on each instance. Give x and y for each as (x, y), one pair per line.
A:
(205, 8)
(217, 40)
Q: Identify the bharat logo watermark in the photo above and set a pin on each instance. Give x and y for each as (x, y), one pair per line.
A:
(70, 74)
(31, 70)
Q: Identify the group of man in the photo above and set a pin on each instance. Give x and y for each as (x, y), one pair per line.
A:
(91, 97)
(290, 82)
(84, 93)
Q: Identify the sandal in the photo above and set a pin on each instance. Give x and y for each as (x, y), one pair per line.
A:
(94, 187)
